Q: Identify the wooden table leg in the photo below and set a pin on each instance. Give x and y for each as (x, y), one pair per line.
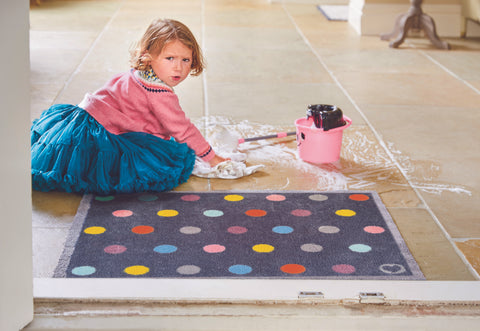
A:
(415, 18)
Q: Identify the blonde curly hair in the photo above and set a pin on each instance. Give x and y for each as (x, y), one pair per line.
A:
(158, 34)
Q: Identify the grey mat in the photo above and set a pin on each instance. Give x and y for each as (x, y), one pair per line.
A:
(285, 234)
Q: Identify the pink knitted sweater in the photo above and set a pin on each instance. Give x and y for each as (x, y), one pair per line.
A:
(130, 102)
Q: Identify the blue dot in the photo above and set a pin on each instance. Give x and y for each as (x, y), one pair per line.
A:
(360, 248)
(282, 229)
(213, 213)
(240, 269)
(165, 249)
(83, 270)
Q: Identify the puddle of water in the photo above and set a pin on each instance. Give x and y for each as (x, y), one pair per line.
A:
(362, 165)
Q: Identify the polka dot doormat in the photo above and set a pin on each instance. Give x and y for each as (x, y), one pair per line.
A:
(317, 235)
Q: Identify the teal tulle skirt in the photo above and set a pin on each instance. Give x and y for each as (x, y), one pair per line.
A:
(72, 152)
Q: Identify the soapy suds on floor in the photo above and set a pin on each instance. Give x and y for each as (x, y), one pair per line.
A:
(422, 174)
(363, 163)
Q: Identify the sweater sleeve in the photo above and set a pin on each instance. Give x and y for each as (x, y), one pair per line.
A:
(174, 121)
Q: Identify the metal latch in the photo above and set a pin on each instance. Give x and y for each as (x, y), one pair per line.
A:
(372, 297)
(310, 295)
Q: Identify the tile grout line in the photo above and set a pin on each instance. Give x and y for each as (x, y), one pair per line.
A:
(335, 79)
(206, 111)
(448, 71)
(95, 42)
(462, 240)
(204, 76)
(382, 143)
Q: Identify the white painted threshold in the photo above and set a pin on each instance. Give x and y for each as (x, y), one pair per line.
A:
(241, 290)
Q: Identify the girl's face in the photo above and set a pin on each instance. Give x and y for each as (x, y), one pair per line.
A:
(173, 64)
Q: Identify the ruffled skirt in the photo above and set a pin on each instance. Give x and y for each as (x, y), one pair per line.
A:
(72, 152)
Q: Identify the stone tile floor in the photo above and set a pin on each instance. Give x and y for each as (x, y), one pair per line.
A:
(415, 110)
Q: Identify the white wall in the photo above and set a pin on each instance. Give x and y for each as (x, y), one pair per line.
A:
(376, 18)
(16, 289)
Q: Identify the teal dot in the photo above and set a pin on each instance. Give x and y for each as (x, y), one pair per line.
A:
(165, 249)
(147, 197)
(213, 213)
(282, 229)
(240, 269)
(83, 270)
(105, 198)
(360, 248)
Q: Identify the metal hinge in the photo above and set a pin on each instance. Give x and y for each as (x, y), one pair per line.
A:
(310, 295)
(372, 297)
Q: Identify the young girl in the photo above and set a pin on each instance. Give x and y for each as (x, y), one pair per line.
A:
(131, 135)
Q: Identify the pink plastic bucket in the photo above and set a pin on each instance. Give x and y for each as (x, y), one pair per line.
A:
(316, 145)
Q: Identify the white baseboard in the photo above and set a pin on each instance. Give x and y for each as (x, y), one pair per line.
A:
(472, 29)
(314, 2)
(375, 19)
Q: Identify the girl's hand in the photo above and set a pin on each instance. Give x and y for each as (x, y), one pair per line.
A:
(216, 160)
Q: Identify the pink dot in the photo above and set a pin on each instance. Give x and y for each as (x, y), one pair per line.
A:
(115, 249)
(237, 229)
(276, 197)
(190, 197)
(374, 229)
(122, 213)
(344, 268)
(301, 212)
(214, 248)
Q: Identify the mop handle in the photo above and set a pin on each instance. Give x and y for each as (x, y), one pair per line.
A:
(278, 135)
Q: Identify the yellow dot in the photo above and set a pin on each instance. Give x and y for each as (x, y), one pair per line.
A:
(136, 270)
(345, 212)
(263, 248)
(233, 197)
(95, 230)
(167, 213)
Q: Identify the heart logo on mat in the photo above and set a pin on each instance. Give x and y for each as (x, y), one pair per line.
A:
(392, 269)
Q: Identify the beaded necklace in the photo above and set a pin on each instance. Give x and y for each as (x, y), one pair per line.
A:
(150, 77)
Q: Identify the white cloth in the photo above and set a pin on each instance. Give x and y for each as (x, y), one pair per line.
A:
(229, 169)
(225, 144)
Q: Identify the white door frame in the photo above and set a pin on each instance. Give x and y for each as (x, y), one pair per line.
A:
(16, 299)
(16, 284)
